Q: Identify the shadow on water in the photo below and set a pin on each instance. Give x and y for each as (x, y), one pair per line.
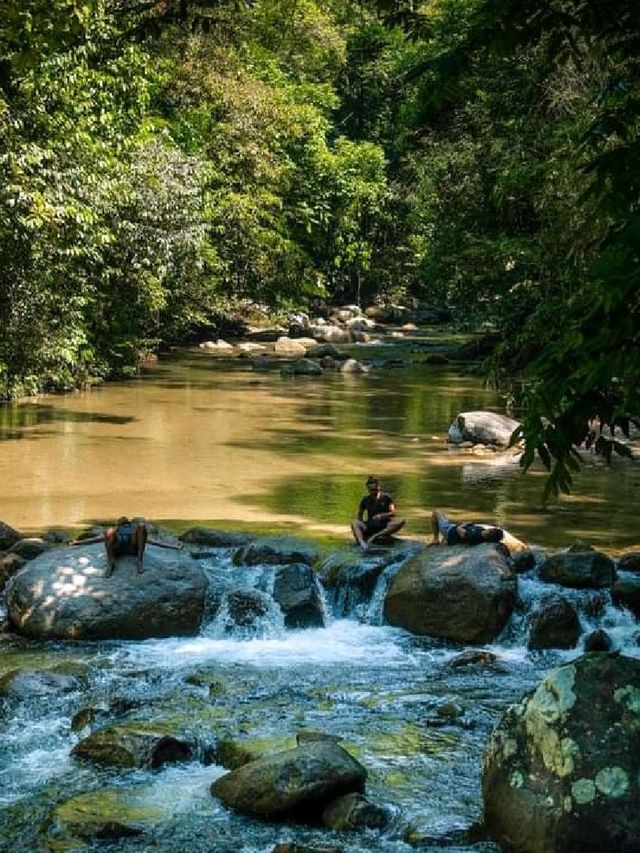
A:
(15, 421)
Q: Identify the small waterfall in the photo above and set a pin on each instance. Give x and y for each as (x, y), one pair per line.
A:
(373, 612)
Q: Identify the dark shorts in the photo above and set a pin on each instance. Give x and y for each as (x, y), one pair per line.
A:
(474, 534)
(372, 527)
(124, 544)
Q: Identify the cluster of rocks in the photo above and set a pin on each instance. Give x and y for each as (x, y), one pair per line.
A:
(307, 345)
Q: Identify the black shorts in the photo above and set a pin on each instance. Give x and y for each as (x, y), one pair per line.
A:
(372, 527)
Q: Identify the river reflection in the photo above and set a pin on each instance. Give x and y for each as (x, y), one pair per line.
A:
(197, 439)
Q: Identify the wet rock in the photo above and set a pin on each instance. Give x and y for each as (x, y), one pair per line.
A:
(354, 811)
(456, 593)
(296, 591)
(298, 783)
(580, 567)
(216, 685)
(9, 565)
(250, 348)
(108, 813)
(359, 337)
(8, 536)
(561, 767)
(30, 548)
(23, 684)
(523, 561)
(482, 428)
(351, 575)
(307, 367)
(64, 594)
(246, 608)
(630, 562)
(473, 657)
(331, 334)
(276, 550)
(554, 625)
(626, 593)
(598, 641)
(134, 745)
(360, 324)
(289, 348)
(209, 537)
(232, 753)
(352, 366)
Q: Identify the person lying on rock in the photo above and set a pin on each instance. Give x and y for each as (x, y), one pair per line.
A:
(128, 538)
(381, 518)
(466, 533)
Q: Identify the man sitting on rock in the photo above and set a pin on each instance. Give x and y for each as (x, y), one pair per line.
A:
(127, 538)
(381, 516)
(467, 533)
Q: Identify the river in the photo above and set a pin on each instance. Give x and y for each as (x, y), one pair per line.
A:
(196, 440)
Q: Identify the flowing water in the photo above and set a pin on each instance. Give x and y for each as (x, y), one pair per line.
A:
(195, 440)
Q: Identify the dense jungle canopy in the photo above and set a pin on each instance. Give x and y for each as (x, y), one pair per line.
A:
(161, 160)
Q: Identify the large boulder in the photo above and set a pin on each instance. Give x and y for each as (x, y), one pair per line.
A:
(295, 589)
(554, 625)
(8, 536)
(580, 567)
(454, 592)
(30, 548)
(64, 594)
(245, 608)
(276, 550)
(561, 767)
(482, 428)
(134, 745)
(298, 783)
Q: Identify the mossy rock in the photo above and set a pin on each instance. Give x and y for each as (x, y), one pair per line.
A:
(232, 753)
(296, 784)
(108, 813)
(355, 812)
(135, 745)
(561, 767)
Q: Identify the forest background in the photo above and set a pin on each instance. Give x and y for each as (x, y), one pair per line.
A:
(162, 160)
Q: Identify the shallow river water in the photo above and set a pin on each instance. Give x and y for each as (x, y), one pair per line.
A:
(196, 441)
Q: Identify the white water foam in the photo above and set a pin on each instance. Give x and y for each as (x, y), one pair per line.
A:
(343, 641)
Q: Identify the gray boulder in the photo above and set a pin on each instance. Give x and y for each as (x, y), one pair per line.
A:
(134, 745)
(561, 767)
(554, 625)
(482, 428)
(296, 590)
(307, 367)
(453, 592)
(276, 550)
(64, 594)
(298, 783)
(8, 536)
(580, 567)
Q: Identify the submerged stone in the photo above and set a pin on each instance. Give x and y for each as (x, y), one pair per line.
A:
(561, 768)
(21, 684)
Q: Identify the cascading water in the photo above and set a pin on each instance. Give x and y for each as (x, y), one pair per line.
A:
(413, 721)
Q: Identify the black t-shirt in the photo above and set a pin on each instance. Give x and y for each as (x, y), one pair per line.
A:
(374, 506)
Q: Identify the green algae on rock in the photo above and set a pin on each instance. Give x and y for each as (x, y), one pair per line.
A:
(561, 767)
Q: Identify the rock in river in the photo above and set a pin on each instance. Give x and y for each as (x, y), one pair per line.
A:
(454, 592)
(296, 590)
(298, 783)
(581, 567)
(482, 428)
(134, 745)
(63, 594)
(561, 767)
(554, 625)
(276, 550)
